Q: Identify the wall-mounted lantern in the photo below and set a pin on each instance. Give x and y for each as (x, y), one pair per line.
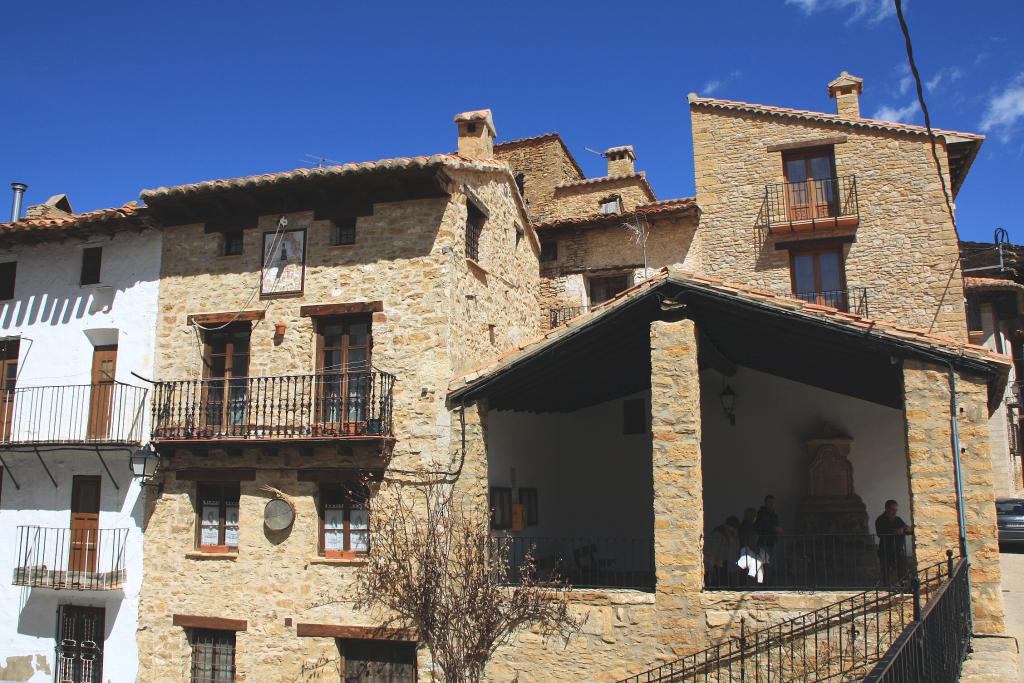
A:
(144, 463)
(728, 399)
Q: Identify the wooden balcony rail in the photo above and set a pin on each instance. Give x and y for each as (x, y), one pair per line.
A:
(848, 300)
(74, 559)
(560, 316)
(586, 562)
(319, 406)
(105, 413)
(810, 204)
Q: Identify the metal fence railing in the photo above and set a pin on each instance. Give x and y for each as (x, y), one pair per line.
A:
(809, 562)
(560, 316)
(823, 201)
(932, 648)
(838, 642)
(848, 300)
(321, 405)
(83, 559)
(586, 562)
(109, 412)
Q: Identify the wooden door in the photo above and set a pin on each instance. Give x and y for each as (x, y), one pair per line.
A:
(343, 373)
(80, 635)
(375, 661)
(811, 191)
(8, 380)
(225, 395)
(85, 524)
(101, 394)
(818, 277)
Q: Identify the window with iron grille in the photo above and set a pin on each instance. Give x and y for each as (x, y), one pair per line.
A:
(92, 260)
(213, 656)
(474, 228)
(233, 243)
(344, 231)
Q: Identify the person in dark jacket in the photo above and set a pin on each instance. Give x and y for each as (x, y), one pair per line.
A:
(892, 548)
(768, 526)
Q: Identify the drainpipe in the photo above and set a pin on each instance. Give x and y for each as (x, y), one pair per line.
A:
(961, 519)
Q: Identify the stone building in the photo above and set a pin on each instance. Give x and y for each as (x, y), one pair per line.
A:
(77, 319)
(614, 373)
(309, 324)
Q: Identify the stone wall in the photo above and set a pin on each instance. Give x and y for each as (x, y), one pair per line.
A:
(584, 199)
(438, 309)
(545, 163)
(591, 249)
(906, 251)
(932, 481)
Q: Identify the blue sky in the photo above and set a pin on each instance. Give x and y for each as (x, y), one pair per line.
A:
(103, 99)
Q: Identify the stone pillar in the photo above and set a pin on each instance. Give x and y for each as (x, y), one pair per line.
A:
(933, 484)
(469, 455)
(678, 485)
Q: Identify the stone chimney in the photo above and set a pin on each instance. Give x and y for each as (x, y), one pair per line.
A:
(846, 90)
(57, 206)
(620, 160)
(476, 134)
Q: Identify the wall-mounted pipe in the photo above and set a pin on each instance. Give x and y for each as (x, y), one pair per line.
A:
(19, 195)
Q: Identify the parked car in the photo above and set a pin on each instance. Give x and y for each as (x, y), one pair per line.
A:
(1010, 518)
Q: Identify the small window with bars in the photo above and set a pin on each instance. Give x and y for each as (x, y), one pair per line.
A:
(343, 231)
(474, 229)
(233, 243)
(213, 656)
(501, 507)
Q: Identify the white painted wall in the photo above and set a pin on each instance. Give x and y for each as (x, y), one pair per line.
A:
(592, 480)
(766, 452)
(64, 321)
(1004, 479)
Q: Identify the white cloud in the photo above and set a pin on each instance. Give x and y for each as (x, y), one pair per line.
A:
(711, 87)
(897, 114)
(949, 74)
(1005, 109)
(872, 11)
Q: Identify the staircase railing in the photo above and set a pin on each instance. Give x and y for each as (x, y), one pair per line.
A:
(837, 642)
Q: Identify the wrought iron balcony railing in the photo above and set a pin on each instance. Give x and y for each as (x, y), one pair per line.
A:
(810, 204)
(319, 406)
(93, 413)
(74, 559)
(560, 316)
(848, 300)
(587, 562)
(810, 562)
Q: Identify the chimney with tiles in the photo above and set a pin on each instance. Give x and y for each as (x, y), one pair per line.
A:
(620, 160)
(476, 134)
(845, 90)
(57, 206)
(19, 195)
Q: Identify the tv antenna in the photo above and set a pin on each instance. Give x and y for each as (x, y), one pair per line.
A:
(319, 161)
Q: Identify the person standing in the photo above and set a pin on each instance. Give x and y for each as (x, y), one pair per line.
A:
(892, 548)
(768, 526)
(723, 551)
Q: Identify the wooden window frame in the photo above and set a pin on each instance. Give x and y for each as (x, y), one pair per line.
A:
(625, 277)
(231, 238)
(8, 279)
(92, 269)
(351, 493)
(10, 350)
(228, 638)
(223, 490)
(344, 372)
(529, 497)
(815, 251)
(506, 494)
(476, 220)
(343, 232)
(805, 154)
